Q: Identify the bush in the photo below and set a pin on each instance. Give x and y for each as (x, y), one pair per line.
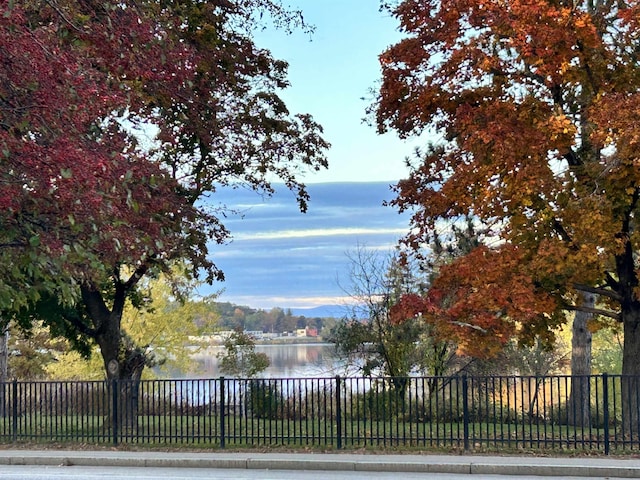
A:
(316, 403)
(378, 403)
(264, 399)
(559, 415)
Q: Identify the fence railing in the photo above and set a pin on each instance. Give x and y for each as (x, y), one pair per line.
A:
(471, 413)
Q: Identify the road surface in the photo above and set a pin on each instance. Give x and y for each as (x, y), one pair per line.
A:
(21, 472)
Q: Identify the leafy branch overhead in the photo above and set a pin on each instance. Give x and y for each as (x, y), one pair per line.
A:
(118, 122)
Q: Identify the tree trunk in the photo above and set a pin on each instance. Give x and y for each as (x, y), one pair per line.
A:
(128, 382)
(4, 353)
(627, 284)
(4, 368)
(124, 364)
(123, 361)
(631, 371)
(579, 406)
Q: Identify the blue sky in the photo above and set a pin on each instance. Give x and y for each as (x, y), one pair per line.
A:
(280, 257)
(332, 73)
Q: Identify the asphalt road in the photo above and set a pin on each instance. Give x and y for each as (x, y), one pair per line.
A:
(22, 472)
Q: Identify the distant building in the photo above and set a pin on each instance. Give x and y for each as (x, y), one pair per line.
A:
(255, 334)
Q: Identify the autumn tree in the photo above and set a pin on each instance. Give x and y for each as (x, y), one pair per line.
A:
(31, 352)
(119, 121)
(441, 305)
(535, 108)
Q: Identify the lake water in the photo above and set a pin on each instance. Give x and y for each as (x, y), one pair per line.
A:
(287, 361)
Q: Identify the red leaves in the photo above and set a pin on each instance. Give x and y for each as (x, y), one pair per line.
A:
(479, 301)
(71, 176)
(410, 306)
(76, 77)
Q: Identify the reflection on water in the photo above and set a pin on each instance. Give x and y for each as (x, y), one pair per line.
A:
(287, 361)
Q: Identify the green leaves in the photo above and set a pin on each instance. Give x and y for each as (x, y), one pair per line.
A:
(239, 358)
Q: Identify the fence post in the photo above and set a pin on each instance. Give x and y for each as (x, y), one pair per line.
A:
(338, 413)
(14, 405)
(605, 411)
(465, 410)
(114, 410)
(221, 412)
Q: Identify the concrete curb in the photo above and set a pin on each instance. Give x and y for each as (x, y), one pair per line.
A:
(556, 470)
(459, 465)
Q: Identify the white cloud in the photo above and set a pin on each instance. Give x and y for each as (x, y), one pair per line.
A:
(268, 302)
(318, 232)
(278, 257)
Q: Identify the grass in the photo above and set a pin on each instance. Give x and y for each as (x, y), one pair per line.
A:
(242, 432)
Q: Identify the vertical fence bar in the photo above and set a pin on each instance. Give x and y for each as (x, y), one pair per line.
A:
(456, 406)
(605, 411)
(221, 412)
(114, 411)
(338, 414)
(614, 406)
(381, 407)
(311, 408)
(465, 411)
(14, 413)
(4, 400)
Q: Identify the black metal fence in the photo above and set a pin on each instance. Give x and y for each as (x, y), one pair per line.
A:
(471, 413)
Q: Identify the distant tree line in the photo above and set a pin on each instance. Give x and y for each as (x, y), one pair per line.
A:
(275, 320)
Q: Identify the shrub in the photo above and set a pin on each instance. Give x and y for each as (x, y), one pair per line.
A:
(378, 403)
(264, 399)
(559, 415)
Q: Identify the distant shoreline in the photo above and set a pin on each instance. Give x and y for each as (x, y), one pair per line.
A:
(282, 341)
(293, 341)
(290, 341)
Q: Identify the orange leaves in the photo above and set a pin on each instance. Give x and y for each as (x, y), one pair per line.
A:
(479, 301)
(538, 102)
(560, 126)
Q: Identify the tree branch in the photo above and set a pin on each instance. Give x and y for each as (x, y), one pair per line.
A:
(596, 311)
(79, 325)
(572, 158)
(560, 230)
(135, 277)
(95, 305)
(611, 282)
(605, 292)
(63, 16)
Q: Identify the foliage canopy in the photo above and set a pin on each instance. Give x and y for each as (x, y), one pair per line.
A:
(536, 104)
(118, 121)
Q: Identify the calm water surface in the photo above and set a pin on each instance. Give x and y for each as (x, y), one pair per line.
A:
(287, 361)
